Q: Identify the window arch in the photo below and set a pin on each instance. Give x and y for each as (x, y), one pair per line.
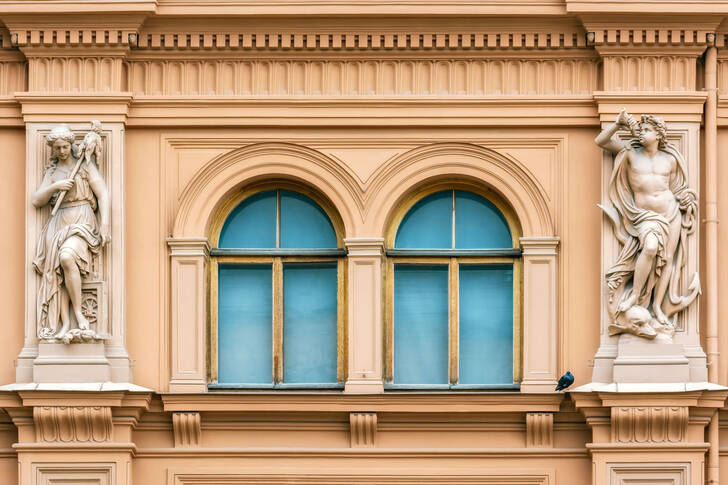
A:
(453, 316)
(277, 280)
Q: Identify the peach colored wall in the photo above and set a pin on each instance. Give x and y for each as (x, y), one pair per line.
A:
(12, 210)
(367, 109)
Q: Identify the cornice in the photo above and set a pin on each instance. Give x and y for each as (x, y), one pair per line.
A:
(664, 7)
(76, 7)
(361, 40)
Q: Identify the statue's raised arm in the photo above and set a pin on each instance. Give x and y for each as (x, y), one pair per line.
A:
(606, 138)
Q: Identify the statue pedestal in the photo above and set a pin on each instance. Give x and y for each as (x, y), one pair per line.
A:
(640, 360)
(58, 362)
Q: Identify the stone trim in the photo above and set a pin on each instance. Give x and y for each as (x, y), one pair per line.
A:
(360, 41)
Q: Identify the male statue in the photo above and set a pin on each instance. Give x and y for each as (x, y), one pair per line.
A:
(653, 210)
(72, 186)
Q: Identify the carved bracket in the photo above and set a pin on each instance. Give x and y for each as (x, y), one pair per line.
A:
(187, 430)
(539, 430)
(72, 423)
(649, 424)
(363, 429)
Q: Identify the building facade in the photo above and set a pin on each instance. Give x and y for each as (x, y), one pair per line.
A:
(326, 242)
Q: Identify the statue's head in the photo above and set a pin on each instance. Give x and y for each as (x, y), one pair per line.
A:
(60, 139)
(653, 126)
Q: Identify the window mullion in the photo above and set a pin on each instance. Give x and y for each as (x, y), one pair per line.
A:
(277, 320)
(453, 322)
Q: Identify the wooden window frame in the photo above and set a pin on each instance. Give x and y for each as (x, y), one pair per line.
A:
(277, 258)
(454, 258)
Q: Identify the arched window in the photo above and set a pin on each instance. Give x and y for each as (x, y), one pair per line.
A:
(453, 318)
(276, 284)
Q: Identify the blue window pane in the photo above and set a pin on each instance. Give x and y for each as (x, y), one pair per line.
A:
(420, 324)
(304, 224)
(486, 324)
(309, 323)
(479, 224)
(252, 224)
(428, 224)
(245, 340)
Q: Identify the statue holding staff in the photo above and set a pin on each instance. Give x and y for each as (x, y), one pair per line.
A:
(73, 186)
(653, 210)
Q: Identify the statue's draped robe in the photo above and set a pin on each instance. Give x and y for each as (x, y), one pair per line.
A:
(634, 224)
(73, 230)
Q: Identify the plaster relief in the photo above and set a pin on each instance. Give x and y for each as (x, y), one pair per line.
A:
(66, 258)
(72, 423)
(652, 424)
(653, 211)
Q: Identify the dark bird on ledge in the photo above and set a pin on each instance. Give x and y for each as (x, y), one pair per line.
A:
(565, 381)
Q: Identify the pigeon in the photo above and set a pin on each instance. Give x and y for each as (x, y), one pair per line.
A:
(565, 381)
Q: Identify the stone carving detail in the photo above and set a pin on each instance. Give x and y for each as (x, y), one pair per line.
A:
(539, 430)
(72, 237)
(186, 428)
(653, 211)
(72, 423)
(363, 429)
(649, 424)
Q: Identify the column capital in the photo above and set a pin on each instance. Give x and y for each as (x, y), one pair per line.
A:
(364, 246)
(540, 245)
(188, 246)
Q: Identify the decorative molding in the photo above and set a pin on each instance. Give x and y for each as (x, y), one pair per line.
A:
(360, 476)
(649, 424)
(72, 423)
(360, 78)
(454, 403)
(363, 430)
(360, 41)
(76, 36)
(642, 72)
(539, 430)
(638, 36)
(186, 428)
(654, 473)
(76, 73)
(87, 473)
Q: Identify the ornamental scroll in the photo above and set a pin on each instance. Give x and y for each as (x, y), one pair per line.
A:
(68, 300)
(653, 211)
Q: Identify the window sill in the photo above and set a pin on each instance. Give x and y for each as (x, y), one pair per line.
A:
(415, 401)
(215, 386)
(458, 387)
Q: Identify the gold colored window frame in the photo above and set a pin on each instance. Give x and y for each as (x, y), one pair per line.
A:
(453, 262)
(277, 262)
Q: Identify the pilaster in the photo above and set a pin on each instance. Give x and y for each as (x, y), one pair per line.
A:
(365, 314)
(189, 258)
(540, 299)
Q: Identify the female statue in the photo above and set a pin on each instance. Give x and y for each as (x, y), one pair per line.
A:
(73, 187)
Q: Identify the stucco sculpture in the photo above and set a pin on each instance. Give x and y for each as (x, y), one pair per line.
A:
(653, 211)
(73, 187)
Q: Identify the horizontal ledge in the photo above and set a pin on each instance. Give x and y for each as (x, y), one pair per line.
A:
(456, 387)
(277, 252)
(333, 401)
(252, 387)
(454, 252)
(388, 452)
